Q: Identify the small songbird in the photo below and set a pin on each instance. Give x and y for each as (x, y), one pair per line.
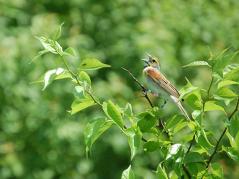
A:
(159, 83)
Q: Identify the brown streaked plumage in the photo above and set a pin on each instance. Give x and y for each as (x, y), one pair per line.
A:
(152, 71)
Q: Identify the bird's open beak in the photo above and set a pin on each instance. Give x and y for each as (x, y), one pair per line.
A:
(145, 61)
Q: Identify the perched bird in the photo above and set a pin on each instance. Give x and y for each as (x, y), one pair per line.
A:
(159, 83)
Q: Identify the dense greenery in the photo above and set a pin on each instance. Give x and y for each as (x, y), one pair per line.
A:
(94, 121)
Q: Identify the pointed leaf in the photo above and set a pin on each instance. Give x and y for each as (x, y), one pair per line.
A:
(84, 77)
(92, 64)
(226, 83)
(197, 63)
(147, 121)
(94, 130)
(70, 52)
(80, 104)
(212, 106)
(114, 113)
(49, 76)
(161, 172)
(128, 174)
(57, 33)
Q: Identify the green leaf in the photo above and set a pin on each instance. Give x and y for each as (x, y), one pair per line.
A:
(174, 121)
(134, 140)
(50, 75)
(161, 174)
(80, 104)
(203, 141)
(57, 33)
(53, 76)
(128, 174)
(92, 64)
(114, 113)
(151, 146)
(193, 157)
(47, 44)
(226, 93)
(51, 45)
(40, 53)
(147, 121)
(194, 100)
(84, 77)
(216, 171)
(232, 153)
(231, 72)
(224, 83)
(212, 106)
(70, 52)
(173, 150)
(128, 110)
(94, 130)
(197, 63)
(187, 90)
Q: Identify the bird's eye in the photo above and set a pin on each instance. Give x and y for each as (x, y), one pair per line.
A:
(154, 61)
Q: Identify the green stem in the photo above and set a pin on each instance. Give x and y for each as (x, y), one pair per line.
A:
(78, 82)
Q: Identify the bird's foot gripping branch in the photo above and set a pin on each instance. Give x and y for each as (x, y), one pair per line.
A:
(185, 147)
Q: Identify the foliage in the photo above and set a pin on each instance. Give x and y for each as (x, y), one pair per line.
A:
(192, 154)
(43, 133)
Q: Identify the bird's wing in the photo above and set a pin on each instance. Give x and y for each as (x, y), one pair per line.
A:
(162, 81)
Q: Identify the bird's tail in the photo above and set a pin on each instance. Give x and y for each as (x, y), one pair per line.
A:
(180, 106)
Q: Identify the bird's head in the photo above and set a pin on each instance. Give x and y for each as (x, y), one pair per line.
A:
(151, 61)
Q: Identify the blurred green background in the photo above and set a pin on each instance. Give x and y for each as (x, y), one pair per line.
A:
(38, 138)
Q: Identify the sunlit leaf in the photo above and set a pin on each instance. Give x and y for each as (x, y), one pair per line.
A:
(114, 113)
(197, 63)
(49, 76)
(128, 173)
(173, 150)
(174, 121)
(92, 64)
(161, 172)
(216, 170)
(80, 104)
(226, 83)
(134, 140)
(46, 44)
(94, 130)
(232, 153)
(51, 45)
(231, 72)
(212, 106)
(83, 76)
(226, 93)
(203, 141)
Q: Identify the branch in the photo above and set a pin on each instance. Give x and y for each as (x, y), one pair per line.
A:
(223, 133)
(78, 82)
(141, 86)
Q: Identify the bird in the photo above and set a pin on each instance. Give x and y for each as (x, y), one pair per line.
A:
(160, 84)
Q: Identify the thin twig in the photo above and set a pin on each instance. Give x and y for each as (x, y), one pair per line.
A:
(141, 86)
